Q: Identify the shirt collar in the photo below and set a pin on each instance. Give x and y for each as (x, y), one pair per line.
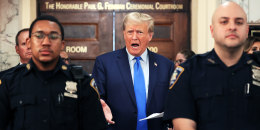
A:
(214, 59)
(61, 66)
(144, 56)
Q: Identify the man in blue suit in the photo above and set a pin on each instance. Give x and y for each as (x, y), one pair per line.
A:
(114, 74)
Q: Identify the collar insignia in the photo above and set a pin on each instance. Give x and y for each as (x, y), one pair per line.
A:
(211, 61)
(28, 66)
(64, 67)
(71, 88)
(155, 64)
(249, 61)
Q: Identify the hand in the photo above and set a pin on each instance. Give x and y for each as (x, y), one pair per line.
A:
(107, 112)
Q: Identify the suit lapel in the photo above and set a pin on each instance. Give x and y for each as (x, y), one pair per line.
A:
(122, 61)
(152, 76)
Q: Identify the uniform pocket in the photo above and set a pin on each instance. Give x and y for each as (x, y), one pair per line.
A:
(19, 104)
(67, 109)
(21, 101)
(254, 91)
(253, 104)
(207, 93)
(207, 100)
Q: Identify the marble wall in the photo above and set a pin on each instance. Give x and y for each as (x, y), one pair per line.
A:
(251, 8)
(9, 26)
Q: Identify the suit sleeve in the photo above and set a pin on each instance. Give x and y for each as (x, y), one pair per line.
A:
(180, 102)
(4, 105)
(100, 77)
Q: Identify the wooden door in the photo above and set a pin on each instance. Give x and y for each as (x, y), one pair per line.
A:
(94, 27)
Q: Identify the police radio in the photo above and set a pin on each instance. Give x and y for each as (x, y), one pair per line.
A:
(77, 72)
(78, 75)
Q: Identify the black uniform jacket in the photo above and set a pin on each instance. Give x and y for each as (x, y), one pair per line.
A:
(215, 96)
(35, 100)
(2, 73)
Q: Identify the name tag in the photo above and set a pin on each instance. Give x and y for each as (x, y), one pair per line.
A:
(256, 75)
(70, 95)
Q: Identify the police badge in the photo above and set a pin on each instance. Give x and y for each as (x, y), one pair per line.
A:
(71, 88)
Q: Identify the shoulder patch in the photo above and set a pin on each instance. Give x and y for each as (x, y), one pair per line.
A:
(0, 82)
(94, 86)
(175, 75)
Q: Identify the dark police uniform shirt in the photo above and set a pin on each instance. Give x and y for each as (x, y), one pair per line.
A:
(2, 73)
(217, 97)
(35, 100)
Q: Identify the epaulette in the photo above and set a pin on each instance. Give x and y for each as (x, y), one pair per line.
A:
(16, 69)
(203, 54)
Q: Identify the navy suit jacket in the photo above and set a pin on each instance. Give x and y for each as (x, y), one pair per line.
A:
(113, 78)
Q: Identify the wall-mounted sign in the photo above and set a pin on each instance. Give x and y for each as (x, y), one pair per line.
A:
(107, 6)
(94, 27)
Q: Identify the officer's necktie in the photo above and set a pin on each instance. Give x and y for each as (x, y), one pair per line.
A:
(140, 95)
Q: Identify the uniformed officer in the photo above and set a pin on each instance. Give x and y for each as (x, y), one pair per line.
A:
(218, 90)
(21, 49)
(47, 94)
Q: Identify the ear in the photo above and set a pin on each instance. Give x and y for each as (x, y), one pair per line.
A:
(28, 43)
(17, 49)
(211, 30)
(150, 36)
(62, 45)
(247, 29)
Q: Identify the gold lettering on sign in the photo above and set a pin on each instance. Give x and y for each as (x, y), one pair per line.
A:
(159, 6)
(49, 6)
(130, 6)
(109, 6)
(106, 6)
(153, 49)
(85, 5)
(89, 6)
(100, 6)
(76, 49)
(60, 6)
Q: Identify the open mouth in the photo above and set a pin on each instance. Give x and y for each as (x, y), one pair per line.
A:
(135, 45)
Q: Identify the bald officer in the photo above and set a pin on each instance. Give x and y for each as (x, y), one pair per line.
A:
(218, 90)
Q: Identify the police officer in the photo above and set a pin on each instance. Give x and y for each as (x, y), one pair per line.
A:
(216, 90)
(21, 49)
(46, 94)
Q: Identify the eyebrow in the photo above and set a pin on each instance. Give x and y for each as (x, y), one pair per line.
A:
(237, 18)
(43, 32)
